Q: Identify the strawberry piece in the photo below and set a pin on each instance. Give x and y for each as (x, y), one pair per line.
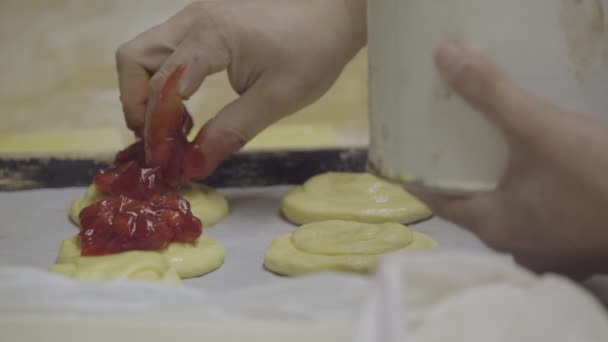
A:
(122, 224)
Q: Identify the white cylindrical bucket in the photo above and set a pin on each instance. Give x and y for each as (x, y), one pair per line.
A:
(424, 135)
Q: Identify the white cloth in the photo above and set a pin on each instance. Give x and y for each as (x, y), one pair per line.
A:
(419, 298)
(459, 297)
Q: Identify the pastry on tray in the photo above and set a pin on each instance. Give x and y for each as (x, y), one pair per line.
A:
(358, 197)
(343, 246)
(142, 219)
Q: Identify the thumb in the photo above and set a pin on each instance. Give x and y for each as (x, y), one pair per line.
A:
(473, 212)
(238, 122)
(485, 86)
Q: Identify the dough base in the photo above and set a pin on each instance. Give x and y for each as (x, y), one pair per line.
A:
(179, 260)
(284, 257)
(358, 197)
(136, 265)
(206, 203)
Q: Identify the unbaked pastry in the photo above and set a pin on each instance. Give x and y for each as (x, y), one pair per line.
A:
(358, 197)
(206, 204)
(137, 265)
(344, 246)
(185, 260)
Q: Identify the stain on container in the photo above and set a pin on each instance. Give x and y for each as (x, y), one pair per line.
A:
(583, 23)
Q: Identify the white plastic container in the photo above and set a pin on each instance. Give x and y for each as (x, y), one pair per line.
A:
(424, 135)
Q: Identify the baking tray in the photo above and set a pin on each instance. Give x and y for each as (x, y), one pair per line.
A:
(241, 170)
(35, 222)
(34, 219)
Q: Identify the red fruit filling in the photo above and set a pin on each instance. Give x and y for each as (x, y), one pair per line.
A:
(143, 213)
(122, 224)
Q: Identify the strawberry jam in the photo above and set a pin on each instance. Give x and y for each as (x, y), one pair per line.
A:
(122, 224)
(129, 177)
(143, 212)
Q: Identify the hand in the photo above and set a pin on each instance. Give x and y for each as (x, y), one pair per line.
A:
(281, 55)
(550, 209)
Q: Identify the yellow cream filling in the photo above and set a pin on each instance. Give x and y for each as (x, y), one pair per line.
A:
(179, 260)
(358, 197)
(343, 246)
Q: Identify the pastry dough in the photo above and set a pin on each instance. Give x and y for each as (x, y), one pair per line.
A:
(359, 197)
(183, 260)
(138, 265)
(206, 204)
(343, 246)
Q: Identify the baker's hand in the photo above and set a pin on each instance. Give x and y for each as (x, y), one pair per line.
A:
(550, 209)
(281, 55)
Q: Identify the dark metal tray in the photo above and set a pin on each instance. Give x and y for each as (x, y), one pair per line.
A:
(245, 169)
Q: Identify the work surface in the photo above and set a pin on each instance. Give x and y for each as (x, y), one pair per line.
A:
(34, 223)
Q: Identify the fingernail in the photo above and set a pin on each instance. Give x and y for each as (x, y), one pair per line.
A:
(451, 59)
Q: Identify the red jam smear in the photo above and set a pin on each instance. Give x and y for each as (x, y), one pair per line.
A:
(130, 177)
(122, 224)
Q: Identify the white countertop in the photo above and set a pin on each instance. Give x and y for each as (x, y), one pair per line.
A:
(34, 223)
